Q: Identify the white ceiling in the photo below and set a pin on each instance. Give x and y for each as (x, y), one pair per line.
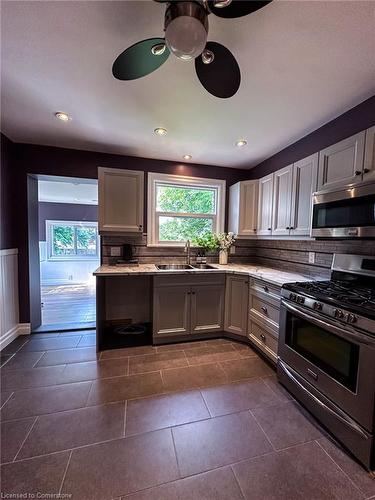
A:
(303, 63)
(64, 190)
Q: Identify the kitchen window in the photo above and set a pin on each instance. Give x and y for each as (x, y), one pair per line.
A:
(181, 208)
(72, 240)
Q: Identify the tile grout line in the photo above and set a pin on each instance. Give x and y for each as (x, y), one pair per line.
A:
(24, 441)
(237, 481)
(261, 428)
(205, 402)
(65, 472)
(88, 395)
(36, 362)
(175, 452)
(8, 398)
(125, 417)
(338, 466)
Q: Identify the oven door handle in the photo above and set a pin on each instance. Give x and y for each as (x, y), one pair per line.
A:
(345, 331)
(345, 419)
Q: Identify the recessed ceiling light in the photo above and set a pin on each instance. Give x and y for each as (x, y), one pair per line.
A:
(187, 157)
(62, 116)
(160, 131)
(241, 143)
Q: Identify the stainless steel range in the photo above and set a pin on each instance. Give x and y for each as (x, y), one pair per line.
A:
(327, 350)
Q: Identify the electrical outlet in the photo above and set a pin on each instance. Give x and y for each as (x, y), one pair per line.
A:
(311, 257)
(115, 251)
(232, 250)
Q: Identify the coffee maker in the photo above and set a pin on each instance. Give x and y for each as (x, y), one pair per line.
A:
(127, 255)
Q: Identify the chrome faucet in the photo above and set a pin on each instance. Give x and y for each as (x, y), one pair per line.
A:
(187, 250)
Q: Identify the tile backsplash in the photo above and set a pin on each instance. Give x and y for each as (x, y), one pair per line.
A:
(288, 255)
(244, 251)
(293, 255)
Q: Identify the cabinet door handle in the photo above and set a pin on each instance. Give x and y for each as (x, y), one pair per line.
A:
(264, 309)
(140, 227)
(366, 170)
(270, 229)
(358, 172)
(193, 293)
(255, 230)
(291, 227)
(263, 337)
(287, 227)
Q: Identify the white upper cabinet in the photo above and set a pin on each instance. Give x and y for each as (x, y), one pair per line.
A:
(265, 205)
(120, 200)
(282, 193)
(243, 208)
(342, 163)
(369, 162)
(305, 174)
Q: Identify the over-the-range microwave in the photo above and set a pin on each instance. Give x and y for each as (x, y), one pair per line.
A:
(348, 212)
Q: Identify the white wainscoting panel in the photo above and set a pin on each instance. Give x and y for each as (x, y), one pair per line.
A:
(10, 327)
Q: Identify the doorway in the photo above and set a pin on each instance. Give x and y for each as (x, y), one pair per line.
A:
(69, 252)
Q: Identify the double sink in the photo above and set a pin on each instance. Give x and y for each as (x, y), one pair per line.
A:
(181, 267)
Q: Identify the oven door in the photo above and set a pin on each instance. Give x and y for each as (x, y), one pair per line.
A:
(337, 360)
(349, 213)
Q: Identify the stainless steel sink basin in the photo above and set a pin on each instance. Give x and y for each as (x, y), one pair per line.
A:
(172, 267)
(203, 266)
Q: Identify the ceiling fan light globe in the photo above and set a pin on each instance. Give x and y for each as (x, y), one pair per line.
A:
(186, 37)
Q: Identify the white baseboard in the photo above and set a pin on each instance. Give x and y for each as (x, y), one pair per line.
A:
(13, 333)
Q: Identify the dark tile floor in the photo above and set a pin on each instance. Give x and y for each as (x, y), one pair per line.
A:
(195, 421)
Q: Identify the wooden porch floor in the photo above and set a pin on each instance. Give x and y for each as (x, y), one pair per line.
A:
(68, 304)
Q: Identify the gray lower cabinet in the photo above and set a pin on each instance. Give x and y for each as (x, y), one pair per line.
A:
(207, 308)
(236, 304)
(171, 310)
(264, 315)
(184, 305)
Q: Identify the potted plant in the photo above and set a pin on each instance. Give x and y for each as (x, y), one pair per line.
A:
(225, 241)
(206, 242)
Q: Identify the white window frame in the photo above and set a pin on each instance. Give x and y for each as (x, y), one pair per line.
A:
(181, 181)
(49, 226)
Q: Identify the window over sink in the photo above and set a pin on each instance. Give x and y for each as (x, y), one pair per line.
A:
(181, 208)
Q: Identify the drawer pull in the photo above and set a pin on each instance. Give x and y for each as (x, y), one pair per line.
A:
(264, 309)
(263, 337)
(312, 374)
(266, 289)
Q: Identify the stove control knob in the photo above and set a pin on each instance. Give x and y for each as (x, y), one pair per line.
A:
(300, 300)
(338, 313)
(293, 296)
(351, 318)
(318, 306)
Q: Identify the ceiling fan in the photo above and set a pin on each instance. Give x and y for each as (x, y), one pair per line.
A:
(186, 29)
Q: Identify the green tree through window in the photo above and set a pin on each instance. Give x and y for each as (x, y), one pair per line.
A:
(182, 211)
(73, 240)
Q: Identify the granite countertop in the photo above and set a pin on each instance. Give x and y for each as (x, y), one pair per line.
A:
(272, 275)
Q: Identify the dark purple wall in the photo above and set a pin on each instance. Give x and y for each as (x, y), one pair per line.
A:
(351, 122)
(8, 236)
(64, 211)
